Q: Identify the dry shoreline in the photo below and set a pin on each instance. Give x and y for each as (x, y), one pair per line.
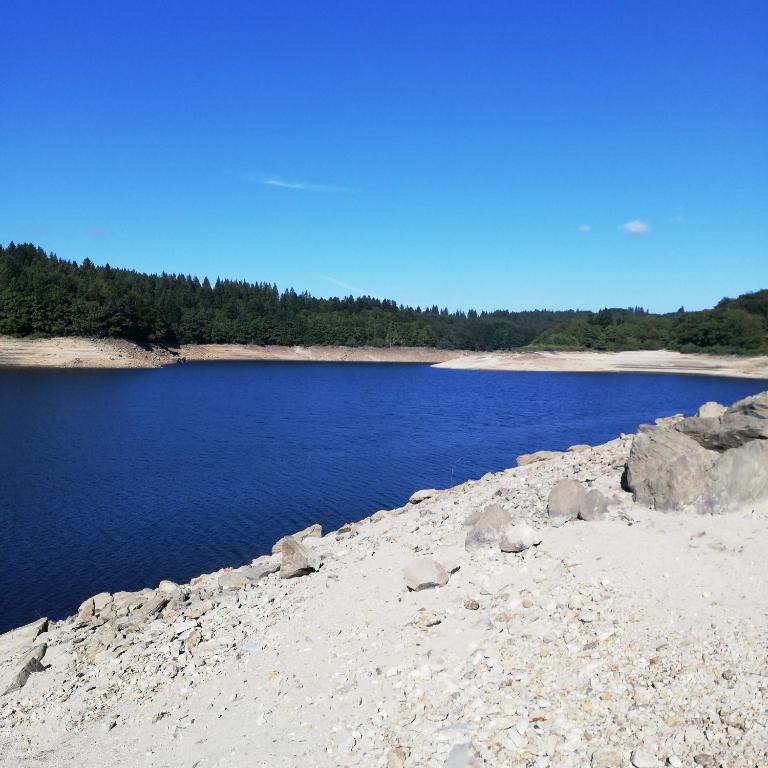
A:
(76, 352)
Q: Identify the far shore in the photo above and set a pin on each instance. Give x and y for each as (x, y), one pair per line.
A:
(77, 352)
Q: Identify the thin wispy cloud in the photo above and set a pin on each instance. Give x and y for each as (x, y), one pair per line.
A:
(584, 228)
(304, 186)
(348, 286)
(635, 227)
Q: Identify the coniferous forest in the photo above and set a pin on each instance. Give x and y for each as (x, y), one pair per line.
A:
(42, 295)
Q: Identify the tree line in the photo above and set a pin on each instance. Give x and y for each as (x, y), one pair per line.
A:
(42, 295)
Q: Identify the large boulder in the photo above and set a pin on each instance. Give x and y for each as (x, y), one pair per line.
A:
(668, 469)
(566, 500)
(424, 573)
(32, 662)
(487, 528)
(707, 463)
(21, 639)
(744, 421)
(314, 531)
(739, 479)
(297, 559)
(595, 506)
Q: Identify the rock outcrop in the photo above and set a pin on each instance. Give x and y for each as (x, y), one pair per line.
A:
(297, 559)
(32, 662)
(708, 463)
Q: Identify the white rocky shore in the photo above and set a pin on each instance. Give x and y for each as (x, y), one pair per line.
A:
(483, 625)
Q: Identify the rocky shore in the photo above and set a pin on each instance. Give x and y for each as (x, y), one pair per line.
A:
(577, 610)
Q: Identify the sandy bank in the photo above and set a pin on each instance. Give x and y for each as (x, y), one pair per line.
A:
(655, 361)
(77, 352)
(199, 352)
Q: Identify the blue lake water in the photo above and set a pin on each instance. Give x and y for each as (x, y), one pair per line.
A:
(115, 480)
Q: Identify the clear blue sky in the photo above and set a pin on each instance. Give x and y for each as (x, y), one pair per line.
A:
(495, 154)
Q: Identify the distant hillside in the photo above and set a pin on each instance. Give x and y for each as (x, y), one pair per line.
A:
(735, 325)
(46, 296)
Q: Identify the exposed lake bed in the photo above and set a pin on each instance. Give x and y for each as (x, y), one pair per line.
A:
(92, 353)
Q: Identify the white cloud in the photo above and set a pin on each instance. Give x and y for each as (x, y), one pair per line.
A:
(305, 186)
(584, 228)
(349, 287)
(635, 227)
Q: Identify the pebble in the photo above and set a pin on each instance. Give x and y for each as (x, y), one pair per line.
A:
(643, 759)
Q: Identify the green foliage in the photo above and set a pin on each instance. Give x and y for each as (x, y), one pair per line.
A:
(43, 295)
(733, 326)
(46, 296)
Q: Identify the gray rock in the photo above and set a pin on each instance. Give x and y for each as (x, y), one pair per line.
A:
(595, 506)
(566, 500)
(313, 531)
(463, 756)
(531, 458)
(424, 573)
(423, 495)
(488, 528)
(707, 464)
(32, 662)
(739, 479)
(710, 410)
(579, 448)
(21, 639)
(151, 608)
(233, 580)
(297, 559)
(641, 758)
(104, 599)
(261, 568)
(85, 613)
(744, 421)
(668, 469)
(518, 538)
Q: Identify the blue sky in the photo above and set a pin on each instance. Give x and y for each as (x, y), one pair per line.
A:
(511, 154)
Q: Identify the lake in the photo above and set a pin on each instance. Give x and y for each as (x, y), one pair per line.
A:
(115, 480)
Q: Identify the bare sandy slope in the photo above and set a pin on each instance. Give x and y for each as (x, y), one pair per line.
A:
(77, 352)
(655, 361)
(639, 640)
(194, 352)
